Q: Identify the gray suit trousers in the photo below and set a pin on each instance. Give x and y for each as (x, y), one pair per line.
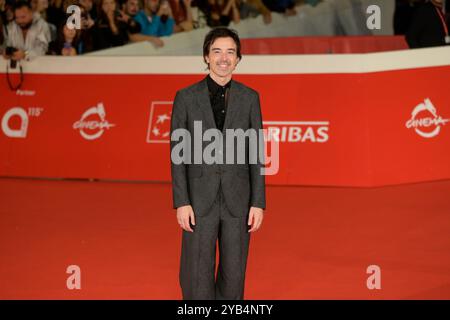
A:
(198, 255)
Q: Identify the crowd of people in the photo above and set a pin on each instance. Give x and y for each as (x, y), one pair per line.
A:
(31, 28)
(38, 27)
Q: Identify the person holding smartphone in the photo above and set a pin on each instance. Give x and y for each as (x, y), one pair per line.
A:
(66, 43)
(130, 8)
(156, 18)
(110, 30)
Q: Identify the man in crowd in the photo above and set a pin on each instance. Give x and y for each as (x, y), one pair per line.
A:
(28, 35)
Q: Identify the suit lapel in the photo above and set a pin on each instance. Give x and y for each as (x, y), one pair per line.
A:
(205, 104)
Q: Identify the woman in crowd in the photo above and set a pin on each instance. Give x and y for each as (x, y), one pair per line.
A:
(182, 14)
(221, 12)
(110, 30)
(67, 42)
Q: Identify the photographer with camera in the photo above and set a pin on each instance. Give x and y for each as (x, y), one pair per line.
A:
(28, 35)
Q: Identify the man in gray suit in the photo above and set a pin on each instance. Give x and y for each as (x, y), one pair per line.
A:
(217, 200)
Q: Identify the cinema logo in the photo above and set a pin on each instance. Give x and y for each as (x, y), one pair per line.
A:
(297, 131)
(423, 124)
(93, 123)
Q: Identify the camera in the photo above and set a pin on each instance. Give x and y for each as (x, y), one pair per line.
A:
(164, 18)
(9, 51)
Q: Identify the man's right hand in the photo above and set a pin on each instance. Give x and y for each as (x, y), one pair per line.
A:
(185, 213)
(110, 15)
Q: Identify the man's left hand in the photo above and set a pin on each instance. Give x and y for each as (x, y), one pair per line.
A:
(18, 55)
(255, 218)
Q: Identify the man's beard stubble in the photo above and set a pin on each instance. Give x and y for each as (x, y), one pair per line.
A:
(25, 26)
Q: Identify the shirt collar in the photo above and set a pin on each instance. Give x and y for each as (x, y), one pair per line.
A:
(214, 86)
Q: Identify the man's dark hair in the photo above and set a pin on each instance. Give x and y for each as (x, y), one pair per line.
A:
(20, 4)
(221, 32)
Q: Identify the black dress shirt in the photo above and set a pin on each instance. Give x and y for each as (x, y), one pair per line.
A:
(219, 97)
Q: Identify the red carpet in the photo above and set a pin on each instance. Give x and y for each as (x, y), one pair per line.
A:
(315, 243)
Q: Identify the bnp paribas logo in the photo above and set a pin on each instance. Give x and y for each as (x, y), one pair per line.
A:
(425, 120)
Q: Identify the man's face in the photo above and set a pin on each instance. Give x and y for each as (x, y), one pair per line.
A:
(131, 7)
(69, 34)
(222, 57)
(153, 5)
(24, 17)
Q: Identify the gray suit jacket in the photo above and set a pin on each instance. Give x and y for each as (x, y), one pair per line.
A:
(243, 184)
